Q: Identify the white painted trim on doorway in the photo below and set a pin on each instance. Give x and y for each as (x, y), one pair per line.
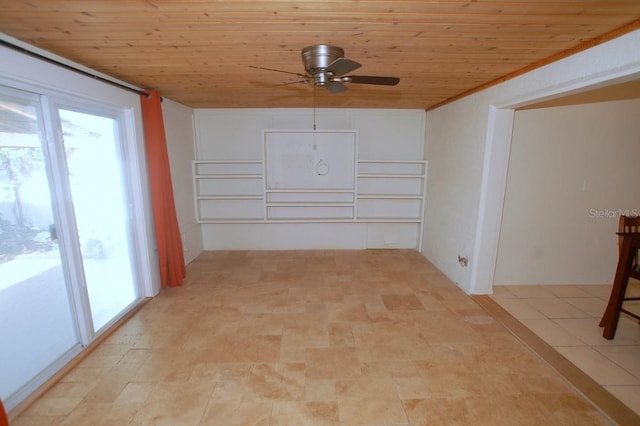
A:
(612, 62)
(492, 191)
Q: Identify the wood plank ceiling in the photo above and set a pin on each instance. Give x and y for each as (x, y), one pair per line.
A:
(199, 52)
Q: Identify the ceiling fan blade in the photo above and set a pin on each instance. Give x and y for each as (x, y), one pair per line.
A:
(369, 79)
(335, 87)
(306, 81)
(342, 66)
(286, 72)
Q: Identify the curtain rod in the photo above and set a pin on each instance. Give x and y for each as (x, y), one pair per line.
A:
(20, 47)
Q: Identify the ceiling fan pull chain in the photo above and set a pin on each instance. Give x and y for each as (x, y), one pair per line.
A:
(314, 107)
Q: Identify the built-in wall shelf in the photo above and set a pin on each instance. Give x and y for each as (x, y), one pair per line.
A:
(228, 191)
(391, 191)
(383, 191)
(315, 178)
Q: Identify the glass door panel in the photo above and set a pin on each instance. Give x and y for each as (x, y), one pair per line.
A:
(97, 184)
(37, 321)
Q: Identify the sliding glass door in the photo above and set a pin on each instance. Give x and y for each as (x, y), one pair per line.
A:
(96, 179)
(66, 238)
(37, 316)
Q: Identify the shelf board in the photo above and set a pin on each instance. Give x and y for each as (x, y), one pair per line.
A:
(388, 197)
(391, 176)
(229, 176)
(310, 220)
(230, 197)
(393, 161)
(227, 161)
(368, 219)
(212, 220)
(309, 204)
(310, 191)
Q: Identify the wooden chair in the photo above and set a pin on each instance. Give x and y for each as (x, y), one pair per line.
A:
(630, 224)
(629, 230)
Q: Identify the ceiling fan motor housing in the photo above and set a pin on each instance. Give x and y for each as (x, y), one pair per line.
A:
(327, 66)
(318, 58)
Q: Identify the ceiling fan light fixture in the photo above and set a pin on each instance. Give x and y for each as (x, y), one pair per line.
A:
(321, 78)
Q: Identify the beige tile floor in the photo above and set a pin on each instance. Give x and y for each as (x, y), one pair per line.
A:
(567, 316)
(312, 338)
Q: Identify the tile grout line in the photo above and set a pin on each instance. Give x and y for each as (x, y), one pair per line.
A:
(585, 343)
(615, 362)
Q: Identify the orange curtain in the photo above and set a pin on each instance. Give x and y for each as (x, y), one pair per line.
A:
(3, 416)
(168, 239)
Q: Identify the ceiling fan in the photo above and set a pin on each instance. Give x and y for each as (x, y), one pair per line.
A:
(326, 66)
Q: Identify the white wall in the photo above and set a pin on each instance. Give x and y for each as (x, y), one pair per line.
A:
(455, 172)
(178, 123)
(467, 146)
(572, 170)
(236, 134)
